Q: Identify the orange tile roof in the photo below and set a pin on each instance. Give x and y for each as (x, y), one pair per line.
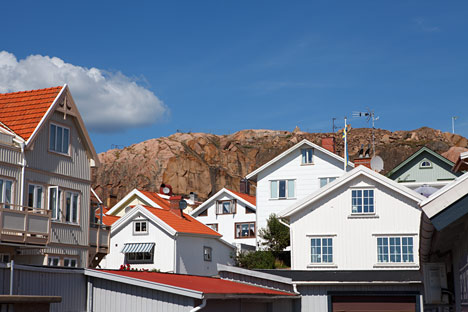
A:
(249, 198)
(164, 203)
(109, 220)
(22, 111)
(182, 225)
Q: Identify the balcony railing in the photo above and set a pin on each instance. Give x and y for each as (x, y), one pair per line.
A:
(26, 225)
(99, 237)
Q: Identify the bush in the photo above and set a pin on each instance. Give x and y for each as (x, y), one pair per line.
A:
(255, 260)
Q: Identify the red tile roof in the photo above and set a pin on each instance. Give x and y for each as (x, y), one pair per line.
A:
(164, 203)
(182, 225)
(106, 219)
(206, 285)
(249, 198)
(22, 111)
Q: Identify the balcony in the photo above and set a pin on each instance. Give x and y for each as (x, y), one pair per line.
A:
(99, 237)
(24, 225)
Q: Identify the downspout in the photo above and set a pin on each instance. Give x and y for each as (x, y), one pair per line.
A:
(175, 254)
(201, 306)
(12, 268)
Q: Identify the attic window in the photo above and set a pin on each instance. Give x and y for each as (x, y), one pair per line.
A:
(59, 139)
(425, 164)
(307, 156)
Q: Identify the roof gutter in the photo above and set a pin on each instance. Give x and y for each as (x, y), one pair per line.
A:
(201, 306)
(23, 165)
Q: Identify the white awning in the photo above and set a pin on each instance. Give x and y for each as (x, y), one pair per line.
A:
(137, 247)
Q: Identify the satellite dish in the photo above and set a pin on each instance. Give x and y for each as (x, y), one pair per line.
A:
(376, 163)
(182, 204)
(166, 190)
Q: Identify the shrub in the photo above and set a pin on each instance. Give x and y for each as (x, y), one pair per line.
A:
(255, 260)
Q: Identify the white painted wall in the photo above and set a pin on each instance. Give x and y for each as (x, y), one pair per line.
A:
(190, 258)
(291, 167)
(163, 249)
(226, 222)
(354, 240)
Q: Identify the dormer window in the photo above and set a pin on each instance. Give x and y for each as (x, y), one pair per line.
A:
(59, 139)
(425, 164)
(307, 156)
(362, 201)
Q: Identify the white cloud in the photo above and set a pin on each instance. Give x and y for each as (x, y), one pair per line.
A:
(108, 101)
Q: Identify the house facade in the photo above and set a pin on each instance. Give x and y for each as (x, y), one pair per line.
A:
(46, 157)
(232, 214)
(293, 175)
(166, 240)
(425, 167)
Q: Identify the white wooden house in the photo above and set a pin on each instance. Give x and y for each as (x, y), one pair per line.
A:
(293, 175)
(46, 157)
(361, 221)
(232, 214)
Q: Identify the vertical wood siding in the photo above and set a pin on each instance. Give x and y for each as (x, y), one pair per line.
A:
(109, 296)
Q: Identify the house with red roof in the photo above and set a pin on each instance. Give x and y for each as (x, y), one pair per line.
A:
(46, 157)
(162, 237)
(233, 215)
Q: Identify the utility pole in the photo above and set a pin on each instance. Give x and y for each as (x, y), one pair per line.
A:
(453, 123)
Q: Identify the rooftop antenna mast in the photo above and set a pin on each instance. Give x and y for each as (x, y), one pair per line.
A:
(370, 116)
(453, 123)
(334, 128)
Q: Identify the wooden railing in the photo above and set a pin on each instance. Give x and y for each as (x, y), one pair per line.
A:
(20, 224)
(99, 237)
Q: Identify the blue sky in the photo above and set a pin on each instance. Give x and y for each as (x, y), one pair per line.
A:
(219, 66)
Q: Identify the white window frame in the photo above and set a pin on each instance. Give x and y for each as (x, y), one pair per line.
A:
(363, 189)
(220, 206)
(3, 192)
(207, 253)
(400, 250)
(425, 167)
(70, 262)
(327, 179)
(55, 148)
(36, 187)
(140, 222)
(51, 259)
(74, 206)
(321, 238)
(307, 156)
(58, 202)
(287, 184)
(213, 226)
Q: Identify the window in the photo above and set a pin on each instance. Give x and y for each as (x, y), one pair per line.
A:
(325, 181)
(140, 227)
(321, 250)
(69, 262)
(282, 189)
(204, 213)
(139, 257)
(53, 261)
(6, 187)
(245, 230)
(213, 226)
(362, 201)
(207, 253)
(425, 164)
(395, 249)
(55, 200)
(307, 156)
(226, 206)
(59, 139)
(4, 257)
(35, 196)
(71, 207)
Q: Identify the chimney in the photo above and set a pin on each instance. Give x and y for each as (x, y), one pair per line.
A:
(193, 197)
(245, 186)
(329, 144)
(111, 200)
(364, 157)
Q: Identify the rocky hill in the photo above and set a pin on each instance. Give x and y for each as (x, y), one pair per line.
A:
(204, 163)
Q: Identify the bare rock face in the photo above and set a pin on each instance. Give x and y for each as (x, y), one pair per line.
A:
(205, 163)
(454, 153)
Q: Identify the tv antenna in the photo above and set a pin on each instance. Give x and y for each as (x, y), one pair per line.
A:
(334, 128)
(370, 116)
(453, 123)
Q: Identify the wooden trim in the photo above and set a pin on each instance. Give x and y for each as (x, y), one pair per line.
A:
(250, 236)
(215, 224)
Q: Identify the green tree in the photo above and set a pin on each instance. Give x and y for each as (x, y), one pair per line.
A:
(275, 235)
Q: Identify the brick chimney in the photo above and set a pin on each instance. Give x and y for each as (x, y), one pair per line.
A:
(174, 205)
(364, 157)
(329, 144)
(111, 200)
(245, 186)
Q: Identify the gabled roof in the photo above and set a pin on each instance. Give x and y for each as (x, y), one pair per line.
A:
(254, 173)
(189, 285)
(150, 198)
(462, 163)
(24, 113)
(415, 155)
(356, 172)
(246, 199)
(170, 221)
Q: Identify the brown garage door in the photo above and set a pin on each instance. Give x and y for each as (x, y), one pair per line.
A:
(374, 303)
